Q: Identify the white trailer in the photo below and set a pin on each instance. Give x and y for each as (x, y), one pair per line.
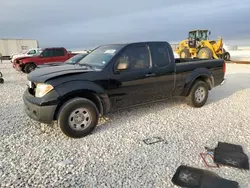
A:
(9, 47)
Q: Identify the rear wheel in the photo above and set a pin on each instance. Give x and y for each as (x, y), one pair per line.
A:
(29, 67)
(78, 117)
(185, 53)
(198, 94)
(205, 53)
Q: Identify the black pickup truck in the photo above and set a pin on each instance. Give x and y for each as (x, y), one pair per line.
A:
(116, 76)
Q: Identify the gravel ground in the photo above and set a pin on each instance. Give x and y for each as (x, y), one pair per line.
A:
(36, 155)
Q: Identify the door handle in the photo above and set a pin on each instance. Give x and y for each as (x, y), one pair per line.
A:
(150, 74)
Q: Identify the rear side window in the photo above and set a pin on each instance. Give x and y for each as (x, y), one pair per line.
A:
(58, 52)
(161, 55)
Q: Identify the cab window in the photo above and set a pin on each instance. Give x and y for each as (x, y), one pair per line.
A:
(134, 58)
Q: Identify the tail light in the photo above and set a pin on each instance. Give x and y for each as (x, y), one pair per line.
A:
(224, 67)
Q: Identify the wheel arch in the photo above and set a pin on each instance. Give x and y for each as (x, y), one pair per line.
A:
(84, 93)
(28, 63)
(198, 74)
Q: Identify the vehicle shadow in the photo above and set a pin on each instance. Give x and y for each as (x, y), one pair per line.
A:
(112, 120)
(233, 84)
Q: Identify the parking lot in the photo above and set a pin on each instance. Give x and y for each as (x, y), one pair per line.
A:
(115, 155)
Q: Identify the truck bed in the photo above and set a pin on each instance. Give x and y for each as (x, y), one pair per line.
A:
(215, 66)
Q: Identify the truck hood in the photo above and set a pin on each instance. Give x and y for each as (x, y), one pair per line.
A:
(20, 55)
(26, 57)
(51, 64)
(44, 74)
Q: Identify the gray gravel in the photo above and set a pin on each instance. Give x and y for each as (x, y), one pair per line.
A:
(36, 155)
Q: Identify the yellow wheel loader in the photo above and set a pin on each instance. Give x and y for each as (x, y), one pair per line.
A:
(199, 46)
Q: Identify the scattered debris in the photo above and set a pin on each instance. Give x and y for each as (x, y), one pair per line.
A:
(225, 154)
(208, 159)
(190, 177)
(153, 140)
(65, 162)
(231, 155)
(1, 79)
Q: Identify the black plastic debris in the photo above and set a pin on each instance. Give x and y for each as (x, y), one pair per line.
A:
(231, 155)
(153, 140)
(1, 79)
(190, 177)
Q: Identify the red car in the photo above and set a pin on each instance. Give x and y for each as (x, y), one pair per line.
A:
(47, 55)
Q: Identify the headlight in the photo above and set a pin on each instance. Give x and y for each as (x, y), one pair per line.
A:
(42, 89)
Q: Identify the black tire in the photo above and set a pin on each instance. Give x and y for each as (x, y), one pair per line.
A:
(191, 98)
(73, 105)
(29, 68)
(205, 53)
(1, 80)
(226, 56)
(185, 53)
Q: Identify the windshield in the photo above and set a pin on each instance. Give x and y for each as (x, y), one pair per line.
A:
(38, 52)
(75, 59)
(100, 57)
(202, 35)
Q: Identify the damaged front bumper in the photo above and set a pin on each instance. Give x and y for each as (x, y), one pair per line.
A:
(16, 66)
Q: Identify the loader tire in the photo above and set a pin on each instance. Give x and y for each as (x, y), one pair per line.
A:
(205, 53)
(185, 53)
(226, 56)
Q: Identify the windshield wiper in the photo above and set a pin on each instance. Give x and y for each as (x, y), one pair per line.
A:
(87, 65)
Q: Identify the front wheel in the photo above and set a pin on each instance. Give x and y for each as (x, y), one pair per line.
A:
(29, 68)
(198, 94)
(78, 117)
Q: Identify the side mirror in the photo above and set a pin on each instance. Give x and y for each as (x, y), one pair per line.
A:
(122, 66)
(209, 32)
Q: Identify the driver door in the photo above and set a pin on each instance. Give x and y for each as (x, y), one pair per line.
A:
(133, 83)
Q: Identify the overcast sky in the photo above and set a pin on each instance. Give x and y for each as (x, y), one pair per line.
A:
(87, 23)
